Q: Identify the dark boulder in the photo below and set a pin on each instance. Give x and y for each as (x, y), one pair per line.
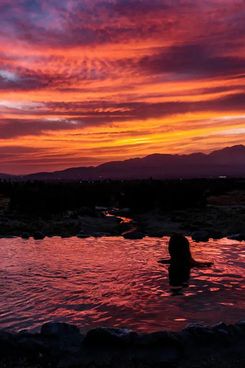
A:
(202, 236)
(83, 235)
(25, 235)
(239, 237)
(223, 333)
(7, 343)
(133, 235)
(53, 329)
(197, 333)
(63, 337)
(38, 235)
(215, 234)
(160, 338)
(110, 336)
(240, 326)
(33, 345)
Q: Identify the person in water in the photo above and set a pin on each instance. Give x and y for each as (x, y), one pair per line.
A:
(181, 261)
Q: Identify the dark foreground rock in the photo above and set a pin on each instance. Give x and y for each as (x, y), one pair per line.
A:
(62, 345)
(83, 227)
(202, 236)
(133, 234)
(202, 224)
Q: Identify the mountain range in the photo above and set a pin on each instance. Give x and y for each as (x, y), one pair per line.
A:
(229, 161)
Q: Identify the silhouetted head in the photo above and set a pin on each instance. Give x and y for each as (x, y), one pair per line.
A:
(179, 249)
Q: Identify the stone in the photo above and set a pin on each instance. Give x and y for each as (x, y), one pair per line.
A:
(241, 326)
(111, 336)
(83, 235)
(7, 343)
(158, 357)
(133, 235)
(156, 234)
(222, 332)
(239, 237)
(160, 338)
(98, 234)
(53, 329)
(38, 235)
(199, 333)
(201, 236)
(33, 345)
(215, 234)
(25, 235)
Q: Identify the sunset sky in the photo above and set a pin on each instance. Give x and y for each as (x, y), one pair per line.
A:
(88, 81)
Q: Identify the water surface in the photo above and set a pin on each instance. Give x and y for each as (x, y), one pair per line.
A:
(112, 281)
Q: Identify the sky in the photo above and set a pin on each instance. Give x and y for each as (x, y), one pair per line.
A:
(84, 82)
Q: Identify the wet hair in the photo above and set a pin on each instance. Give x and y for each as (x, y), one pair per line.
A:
(179, 249)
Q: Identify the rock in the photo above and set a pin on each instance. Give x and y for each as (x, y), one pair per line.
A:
(133, 235)
(83, 235)
(38, 235)
(7, 343)
(215, 234)
(98, 234)
(64, 234)
(239, 237)
(219, 326)
(25, 235)
(199, 333)
(201, 236)
(241, 326)
(59, 329)
(160, 338)
(74, 361)
(222, 332)
(158, 357)
(33, 345)
(156, 234)
(63, 337)
(110, 336)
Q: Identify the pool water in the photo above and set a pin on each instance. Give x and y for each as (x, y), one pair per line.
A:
(111, 281)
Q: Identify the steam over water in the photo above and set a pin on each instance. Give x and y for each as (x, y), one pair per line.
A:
(111, 281)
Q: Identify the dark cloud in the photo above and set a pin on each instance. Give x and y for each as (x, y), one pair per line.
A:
(10, 128)
(196, 53)
(23, 81)
(12, 151)
(68, 23)
(14, 154)
(191, 60)
(144, 110)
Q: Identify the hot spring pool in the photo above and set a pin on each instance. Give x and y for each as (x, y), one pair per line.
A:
(112, 281)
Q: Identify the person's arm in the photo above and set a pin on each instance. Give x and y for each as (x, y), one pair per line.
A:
(164, 261)
(200, 264)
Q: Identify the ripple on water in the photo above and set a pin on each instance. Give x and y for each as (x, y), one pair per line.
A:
(115, 282)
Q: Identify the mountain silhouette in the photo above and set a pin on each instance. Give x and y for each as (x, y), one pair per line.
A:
(229, 162)
(6, 176)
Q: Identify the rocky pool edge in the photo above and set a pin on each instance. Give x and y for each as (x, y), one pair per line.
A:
(64, 345)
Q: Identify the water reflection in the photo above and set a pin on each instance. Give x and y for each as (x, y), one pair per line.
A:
(116, 282)
(178, 278)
